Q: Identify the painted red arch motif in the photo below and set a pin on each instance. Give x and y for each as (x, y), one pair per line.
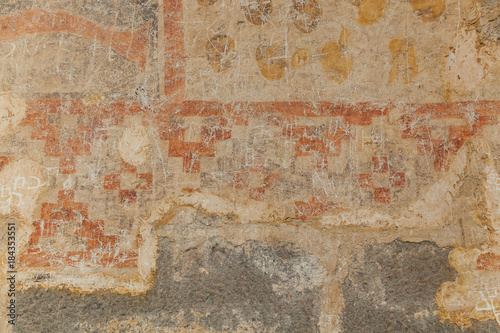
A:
(130, 44)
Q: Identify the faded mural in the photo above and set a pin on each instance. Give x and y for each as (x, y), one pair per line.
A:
(250, 166)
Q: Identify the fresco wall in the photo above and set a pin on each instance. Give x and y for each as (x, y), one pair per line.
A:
(250, 166)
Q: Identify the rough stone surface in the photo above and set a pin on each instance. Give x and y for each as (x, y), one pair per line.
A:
(220, 287)
(391, 288)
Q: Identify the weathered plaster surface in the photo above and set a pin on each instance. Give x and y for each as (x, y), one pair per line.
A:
(251, 166)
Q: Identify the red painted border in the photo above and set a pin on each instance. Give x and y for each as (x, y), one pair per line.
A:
(175, 82)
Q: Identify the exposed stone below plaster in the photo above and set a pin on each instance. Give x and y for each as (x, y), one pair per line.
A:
(391, 288)
(179, 219)
(489, 20)
(215, 286)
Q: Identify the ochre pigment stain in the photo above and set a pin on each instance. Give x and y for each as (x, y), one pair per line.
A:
(220, 52)
(271, 61)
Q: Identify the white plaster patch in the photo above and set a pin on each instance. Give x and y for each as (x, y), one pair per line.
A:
(12, 111)
(134, 147)
(20, 184)
(467, 63)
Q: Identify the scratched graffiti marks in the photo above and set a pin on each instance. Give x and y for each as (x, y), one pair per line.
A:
(368, 54)
(79, 48)
(306, 110)
(272, 155)
(305, 25)
(10, 194)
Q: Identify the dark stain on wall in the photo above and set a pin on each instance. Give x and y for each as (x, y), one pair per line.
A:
(391, 288)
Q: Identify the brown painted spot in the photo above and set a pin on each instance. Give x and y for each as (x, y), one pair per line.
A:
(271, 61)
(301, 57)
(4, 160)
(428, 10)
(306, 15)
(220, 52)
(370, 10)
(206, 3)
(404, 60)
(336, 61)
(257, 11)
